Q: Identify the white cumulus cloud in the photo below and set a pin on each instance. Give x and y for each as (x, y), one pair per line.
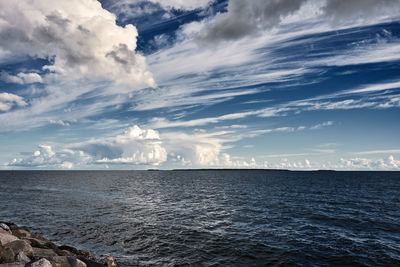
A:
(135, 146)
(388, 163)
(7, 101)
(79, 38)
(21, 78)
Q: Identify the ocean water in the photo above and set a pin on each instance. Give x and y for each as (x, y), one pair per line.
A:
(213, 218)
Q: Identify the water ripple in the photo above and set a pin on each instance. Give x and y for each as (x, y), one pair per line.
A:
(213, 218)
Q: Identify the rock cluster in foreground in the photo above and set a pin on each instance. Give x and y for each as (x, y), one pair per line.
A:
(19, 248)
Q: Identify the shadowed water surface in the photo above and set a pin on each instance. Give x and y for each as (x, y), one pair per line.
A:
(244, 218)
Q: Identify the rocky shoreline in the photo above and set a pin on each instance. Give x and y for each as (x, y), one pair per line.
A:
(19, 248)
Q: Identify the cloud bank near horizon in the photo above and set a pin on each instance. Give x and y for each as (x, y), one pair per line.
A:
(200, 149)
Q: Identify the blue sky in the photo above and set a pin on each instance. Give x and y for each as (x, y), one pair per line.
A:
(170, 84)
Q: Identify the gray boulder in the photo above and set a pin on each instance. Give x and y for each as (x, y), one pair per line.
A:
(20, 233)
(20, 246)
(22, 257)
(5, 227)
(7, 255)
(40, 263)
(87, 254)
(13, 264)
(60, 261)
(78, 263)
(6, 237)
(43, 252)
(64, 261)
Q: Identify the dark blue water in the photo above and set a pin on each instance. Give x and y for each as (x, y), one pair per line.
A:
(206, 218)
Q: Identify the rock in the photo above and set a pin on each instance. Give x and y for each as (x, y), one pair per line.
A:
(87, 254)
(59, 261)
(65, 253)
(43, 252)
(41, 243)
(64, 261)
(40, 237)
(109, 261)
(21, 257)
(5, 227)
(90, 263)
(40, 263)
(6, 237)
(78, 263)
(20, 246)
(11, 225)
(21, 233)
(6, 254)
(70, 249)
(13, 264)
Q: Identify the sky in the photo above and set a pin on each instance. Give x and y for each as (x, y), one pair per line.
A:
(171, 84)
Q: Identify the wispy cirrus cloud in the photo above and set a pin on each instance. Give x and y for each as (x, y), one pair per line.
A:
(373, 152)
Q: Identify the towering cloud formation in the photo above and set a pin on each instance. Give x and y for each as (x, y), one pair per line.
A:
(78, 37)
(247, 17)
(134, 147)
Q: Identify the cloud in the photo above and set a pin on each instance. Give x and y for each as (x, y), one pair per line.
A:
(389, 163)
(60, 122)
(372, 152)
(285, 155)
(45, 156)
(365, 54)
(90, 63)
(204, 150)
(324, 150)
(244, 18)
(183, 4)
(134, 147)
(321, 125)
(7, 101)
(197, 149)
(146, 147)
(21, 78)
(138, 147)
(292, 165)
(80, 39)
(343, 10)
(128, 9)
(159, 123)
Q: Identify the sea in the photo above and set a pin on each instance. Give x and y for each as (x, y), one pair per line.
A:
(213, 217)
